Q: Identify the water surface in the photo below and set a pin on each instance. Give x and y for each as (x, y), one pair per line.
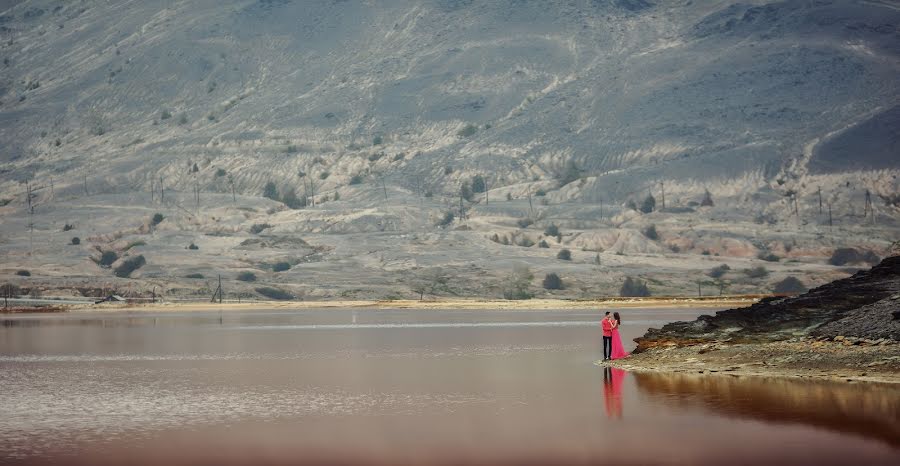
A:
(451, 387)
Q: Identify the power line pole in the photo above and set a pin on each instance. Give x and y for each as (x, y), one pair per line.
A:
(162, 191)
(820, 200)
(662, 186)
(830, 220)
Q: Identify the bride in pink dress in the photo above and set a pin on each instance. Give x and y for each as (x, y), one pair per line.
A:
(618, 351)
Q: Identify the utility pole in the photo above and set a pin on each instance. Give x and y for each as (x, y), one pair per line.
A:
(51, 187)
(662, 186)
(152, 191)
(530, 205)
(162, 191)
(830, 221)
(699, 290)
(868, 204)
(487, 191)
(85, 186)
(820, 200)
(601, 209)
(384, 187)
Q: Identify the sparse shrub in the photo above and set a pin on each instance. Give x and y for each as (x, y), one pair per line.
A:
(508, 196)
(134, 244)
(719, 271)
(543, 244)
(257, 228)
(291, 200)
(495, 238)
(274, 293)
(76, 241)
(281, 267)
(182, 119)
(324, 175)
(564, 254)
(429, 194)
(675, 248)
(23, 273)
(524, 222)
(246, 277)
(165, 115)
(377, 141)
(291, 149)
(129, 265)
(270, 191)
(193, 247)
(552, 282)
(374, 157)
(569, 173)
(466, 191)
(768, 257)
(68, 227)
(399, 157)
(518, 284)
(446, 219)
(526, 242)
(551, 230)
(790, 285)
(634, 287)
(466, 131)
(478, 184)
(157, 219)
(705, 252)
(337, 196)
(631, 205)
(540, 193)
(356, 179)
(707, 199)
(651, 233)
(448, 170)
(194, 275)
(220, 172)
(757, 272)
(107, 258)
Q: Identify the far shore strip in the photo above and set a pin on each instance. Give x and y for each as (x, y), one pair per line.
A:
(531, 304)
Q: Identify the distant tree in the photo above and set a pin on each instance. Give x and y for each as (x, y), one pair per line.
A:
(757, 272)
(526, 242)
(193, 247)
(564, 254)
(9, 291)
(281, 267)
(182, 119)
(107, 258)
(466, 131)
(195, 168)
(377, 141)
(631, 205)
(478, 184)
(707, 199)
(337, 196)
(551, 230)
(270, 191)
(633, 287)
(518, 284)
(356, 179)
(540, 193)
(76, 241)
(767, 256)
(524, 222)
(431, 281)
(246, 277)
(274, 293)
(719, 271)
(257, 228)
(649, 204)
(552, 282)
(651, 233)
(543, 244)
(157, 219)
(569, 173)
(446, 219)
(844, 256)
(324, 175)
(23, 273)
(465, 191)
(291, 200)
(68, 227)
(220, 172)
(129, 265)
(790, 285)
(194, 275)
(509, 196)
(165, 115)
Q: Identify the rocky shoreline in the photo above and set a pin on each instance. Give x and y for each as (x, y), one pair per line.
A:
(846, 330)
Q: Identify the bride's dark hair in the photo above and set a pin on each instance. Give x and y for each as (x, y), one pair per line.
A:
(616, 316)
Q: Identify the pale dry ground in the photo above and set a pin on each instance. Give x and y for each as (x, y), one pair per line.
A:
(799, 358)
(531, 304)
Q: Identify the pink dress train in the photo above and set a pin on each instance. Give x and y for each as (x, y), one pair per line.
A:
(618, 351)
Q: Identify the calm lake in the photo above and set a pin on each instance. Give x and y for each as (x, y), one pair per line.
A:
(389, 387)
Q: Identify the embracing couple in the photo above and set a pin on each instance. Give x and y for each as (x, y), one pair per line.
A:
(612, 342)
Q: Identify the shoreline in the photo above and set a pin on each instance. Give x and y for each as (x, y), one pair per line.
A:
(800, 359)
(439, 304)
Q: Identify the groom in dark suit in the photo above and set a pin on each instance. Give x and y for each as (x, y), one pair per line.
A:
(607, 337)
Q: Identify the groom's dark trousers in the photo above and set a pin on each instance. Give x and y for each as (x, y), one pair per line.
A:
(607, 347)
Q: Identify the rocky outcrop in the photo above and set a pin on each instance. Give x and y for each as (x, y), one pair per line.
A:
(865, 306)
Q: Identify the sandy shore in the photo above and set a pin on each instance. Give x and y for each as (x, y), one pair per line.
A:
(799, 358)
(530, 304)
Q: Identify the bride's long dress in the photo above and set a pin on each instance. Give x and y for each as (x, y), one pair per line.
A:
(618, 351)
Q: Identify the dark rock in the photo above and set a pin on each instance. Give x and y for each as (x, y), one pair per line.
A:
(863, 306)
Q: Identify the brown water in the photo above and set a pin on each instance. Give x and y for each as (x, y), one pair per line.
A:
(390, 387)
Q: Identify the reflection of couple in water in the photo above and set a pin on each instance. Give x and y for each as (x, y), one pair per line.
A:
(612, 391)
(612, 342)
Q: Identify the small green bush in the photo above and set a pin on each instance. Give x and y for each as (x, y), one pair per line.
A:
(651, 233)
(193, 246)
(246, 277)
(257, 228)
(194, 275)
(107, 258)
(540, 193)
(76, 241)
(633, 287)
(377, 141)
(281, 267)
(552, 282)
(768, 257)
(466, 131)
(324, 175)
(271, 191)
(551, 230)
(220, 172)
(157, 219)
(68, 227)
(165, 115)
(543, 244)
(719, 272)
(790, 285)
(129, 265)
(356, 179)
(524, 222)
(23, 273)
(564, 254)
(446, 219)
(274, 293)
(757, 272)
